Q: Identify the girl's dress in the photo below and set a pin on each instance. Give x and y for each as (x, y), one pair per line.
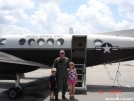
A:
(72, 77)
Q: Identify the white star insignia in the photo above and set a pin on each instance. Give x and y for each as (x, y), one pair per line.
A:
(106, 48)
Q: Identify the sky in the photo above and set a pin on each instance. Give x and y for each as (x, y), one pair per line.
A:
(57, 16)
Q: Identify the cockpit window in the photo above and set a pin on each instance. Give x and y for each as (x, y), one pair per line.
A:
(40, 41)
(31, 41)
(60, 41)
(2, 41)
(22, 41)
(50, 41)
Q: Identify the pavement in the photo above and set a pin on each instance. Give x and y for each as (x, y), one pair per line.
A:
(100, 80)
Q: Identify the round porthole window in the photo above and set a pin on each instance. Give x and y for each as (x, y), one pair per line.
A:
(31, 41)
(98, 42)
(40, 42)
(22, 41)
(60, 41)
(50, 41)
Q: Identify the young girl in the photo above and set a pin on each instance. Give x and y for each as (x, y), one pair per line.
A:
(52, 83)
(72, 79)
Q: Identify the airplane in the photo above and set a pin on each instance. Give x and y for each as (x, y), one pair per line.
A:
(20, 54)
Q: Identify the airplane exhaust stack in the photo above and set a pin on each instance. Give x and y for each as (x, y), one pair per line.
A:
(71, 30)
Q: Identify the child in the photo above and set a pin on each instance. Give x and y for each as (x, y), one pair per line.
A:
(72, 79)
(52, 83)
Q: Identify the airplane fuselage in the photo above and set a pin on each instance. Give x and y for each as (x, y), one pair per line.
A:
(82, 49)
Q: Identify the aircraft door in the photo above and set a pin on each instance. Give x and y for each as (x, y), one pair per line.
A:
(79, 58)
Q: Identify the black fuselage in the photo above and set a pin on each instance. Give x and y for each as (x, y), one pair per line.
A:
(47, 57)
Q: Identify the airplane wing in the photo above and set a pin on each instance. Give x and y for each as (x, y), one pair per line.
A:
(124, 33)
(12, 59)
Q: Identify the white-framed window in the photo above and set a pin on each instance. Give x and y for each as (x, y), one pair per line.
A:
(50, 41)
(98, 42)
(31, 41)
(60, 41)
(40, 41)
(22, 41)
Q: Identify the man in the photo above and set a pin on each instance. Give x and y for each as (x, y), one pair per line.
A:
(61, 64)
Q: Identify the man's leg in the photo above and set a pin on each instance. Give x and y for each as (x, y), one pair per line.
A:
(65, 86)
(56, 92)
(57, 89)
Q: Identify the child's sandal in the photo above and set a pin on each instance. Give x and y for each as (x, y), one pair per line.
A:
(51, 98)
(73, 97)
(70, 97)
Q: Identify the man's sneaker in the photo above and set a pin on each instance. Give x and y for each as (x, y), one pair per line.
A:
(63, 97)
(56, 98)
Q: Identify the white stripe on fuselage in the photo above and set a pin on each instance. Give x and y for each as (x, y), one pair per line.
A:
(12, 41)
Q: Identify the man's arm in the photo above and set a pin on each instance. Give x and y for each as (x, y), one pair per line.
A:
(55, 64)
(68, 77)
(68, 63)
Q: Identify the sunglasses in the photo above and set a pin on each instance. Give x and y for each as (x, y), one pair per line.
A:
(61, 53)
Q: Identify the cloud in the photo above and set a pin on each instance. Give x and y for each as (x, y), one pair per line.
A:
(47, 17)
(123, 6)
(91, 18)
(57, 2)
(50, 19)
(12, 12)
(19, 14)
(13, 29)
(14, 4)
(97, 14)
(6, 18)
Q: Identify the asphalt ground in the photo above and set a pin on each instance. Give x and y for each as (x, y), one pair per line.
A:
(100, 80)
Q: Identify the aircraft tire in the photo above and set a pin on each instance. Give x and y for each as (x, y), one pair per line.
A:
(13, 93)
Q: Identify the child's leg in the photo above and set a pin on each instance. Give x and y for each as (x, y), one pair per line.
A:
(54, 94)
(70, 89)
(50, 94)
(73, 88)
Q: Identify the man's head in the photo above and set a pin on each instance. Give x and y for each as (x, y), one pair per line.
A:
(62, 54)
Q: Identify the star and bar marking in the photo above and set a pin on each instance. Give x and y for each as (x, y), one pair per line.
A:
(107, 47)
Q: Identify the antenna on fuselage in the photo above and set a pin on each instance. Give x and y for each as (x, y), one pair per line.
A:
(71, 30)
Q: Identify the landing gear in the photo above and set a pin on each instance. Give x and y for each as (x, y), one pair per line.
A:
(13, 93)
(17, 91)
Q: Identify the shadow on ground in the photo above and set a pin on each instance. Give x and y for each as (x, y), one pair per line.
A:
(31, 91)
(97, 88)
